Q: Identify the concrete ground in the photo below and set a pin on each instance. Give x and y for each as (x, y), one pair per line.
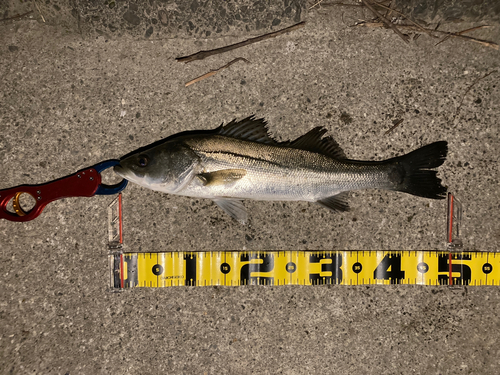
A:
(70, 98)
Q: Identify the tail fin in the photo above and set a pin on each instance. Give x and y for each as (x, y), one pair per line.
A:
(417, 179)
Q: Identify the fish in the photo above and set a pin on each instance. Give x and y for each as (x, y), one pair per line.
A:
(241, 160)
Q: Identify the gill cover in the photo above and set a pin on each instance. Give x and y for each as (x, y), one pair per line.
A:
(166, 167)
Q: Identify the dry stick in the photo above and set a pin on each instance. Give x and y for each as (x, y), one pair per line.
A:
(469, 88)
(203, 54)
(388, 12)
(454, 35)
(342, 4)
(18, 16)
(485, 43)
(39, 11)
(385, 20)
(349, 5)
(394, 126)
(317, 3)
(462, 32)
(214, 72)
(406, 17)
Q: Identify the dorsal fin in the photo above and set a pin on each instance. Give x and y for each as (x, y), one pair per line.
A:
(250, 129)
(312, 141)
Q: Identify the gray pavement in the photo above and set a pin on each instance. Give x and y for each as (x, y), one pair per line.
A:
(71, 98)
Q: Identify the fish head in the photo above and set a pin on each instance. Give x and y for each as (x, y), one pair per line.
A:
(166, 167)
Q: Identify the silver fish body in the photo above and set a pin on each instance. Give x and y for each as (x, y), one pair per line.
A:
(241, 161)
(275, 173)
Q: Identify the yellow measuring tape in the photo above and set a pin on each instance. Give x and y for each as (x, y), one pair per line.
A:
(235, 268)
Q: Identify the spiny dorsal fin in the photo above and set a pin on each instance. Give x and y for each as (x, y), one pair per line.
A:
(250, 129)
(312, 141)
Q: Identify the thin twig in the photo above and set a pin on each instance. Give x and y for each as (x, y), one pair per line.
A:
(214, 72)
(203, 54)
(317, 3)
(342, 4)
(442, 40)
(39, 11)
(388, 12)
(406, 17)
(469, 88)
(348, 4)
(454, 35)
(462, 32)
(368, 24)
(385, 20)
(18, 16)
(473, 29)
(396, 124)
(485, 43)
(206, 75)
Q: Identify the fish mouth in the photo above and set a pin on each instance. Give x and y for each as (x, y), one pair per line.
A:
(118, 169)
(127, 174)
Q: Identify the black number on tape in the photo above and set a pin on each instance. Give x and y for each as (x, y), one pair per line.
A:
(248, 269)
(157, 269)
(390, 269)
(422, 267)
(463, 269)
(225, 268)
(190, 269)
(291, 267)
(357, 267)
(487, 268)
(333, 268)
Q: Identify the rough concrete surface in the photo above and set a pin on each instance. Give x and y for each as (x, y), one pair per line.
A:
(69, 100)
(161, 18)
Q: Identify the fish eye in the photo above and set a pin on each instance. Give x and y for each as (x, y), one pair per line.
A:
(143, 160)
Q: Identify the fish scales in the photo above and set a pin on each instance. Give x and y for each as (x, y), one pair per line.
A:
(279, 173)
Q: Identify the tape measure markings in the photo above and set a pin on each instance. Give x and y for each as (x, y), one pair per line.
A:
(234, 268)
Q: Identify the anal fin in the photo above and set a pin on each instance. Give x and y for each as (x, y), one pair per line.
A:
(234, 208)
(336, 203)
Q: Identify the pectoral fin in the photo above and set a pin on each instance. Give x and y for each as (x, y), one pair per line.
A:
(233, 208)
(336, 202)
(222, 177)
